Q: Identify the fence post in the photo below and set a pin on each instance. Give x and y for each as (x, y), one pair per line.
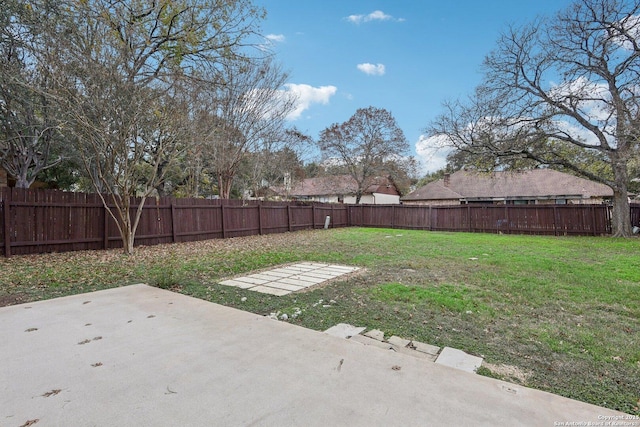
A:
(333, 216)
(555, 220)
(173, 221)
(289, 216)
(593, 219)
(224, 231)
(7, 223)
(260, 218)
(469, 217)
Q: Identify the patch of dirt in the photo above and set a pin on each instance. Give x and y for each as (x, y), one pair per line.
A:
(509, 372)
(6, 300)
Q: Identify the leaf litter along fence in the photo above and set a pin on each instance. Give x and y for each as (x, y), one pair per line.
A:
(39, 221)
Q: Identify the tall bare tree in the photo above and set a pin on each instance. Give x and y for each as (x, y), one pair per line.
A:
(245, 113)
(365, 145)
(125, 65)
(29, 121)
(558, 91)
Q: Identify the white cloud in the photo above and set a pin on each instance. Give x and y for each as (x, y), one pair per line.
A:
(593, 99)
(432, 153)
(376, 15)
(278, 38)
(308, 95)
(371, 69)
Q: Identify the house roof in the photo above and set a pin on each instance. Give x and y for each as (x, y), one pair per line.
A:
(530, 184)
(339, 185)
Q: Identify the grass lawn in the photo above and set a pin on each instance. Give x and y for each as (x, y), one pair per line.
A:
(560, 314)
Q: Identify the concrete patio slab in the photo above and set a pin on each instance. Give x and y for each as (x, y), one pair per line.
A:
(142, 356)
(300, 276)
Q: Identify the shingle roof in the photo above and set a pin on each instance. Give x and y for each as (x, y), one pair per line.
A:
(338, 185)
(536, 184)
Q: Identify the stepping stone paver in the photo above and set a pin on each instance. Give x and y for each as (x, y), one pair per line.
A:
(284, 280)
(448, 356)
(344, 330)
(363, 339)
(399, 342)
(251, 280)
(459, 359)
(284, 286)
(300, 283)
(272, 291)
(311, 279)
(237, 284)
(426, 348)
(375, 334)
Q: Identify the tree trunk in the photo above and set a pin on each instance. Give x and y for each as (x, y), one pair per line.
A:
(23, 182)
(224, 186)
(127, 241)
(358, 197)
(621, 216)
(127, 232)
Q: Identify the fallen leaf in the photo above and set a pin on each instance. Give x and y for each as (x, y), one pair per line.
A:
(52, 392)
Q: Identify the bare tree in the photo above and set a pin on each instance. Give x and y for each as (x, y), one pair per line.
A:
(29, 124)
(125, 66)
(560, 91)
(245, 113)
(274, 164)
(365, 145)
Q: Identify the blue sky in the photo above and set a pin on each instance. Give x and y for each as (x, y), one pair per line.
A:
(406, 56)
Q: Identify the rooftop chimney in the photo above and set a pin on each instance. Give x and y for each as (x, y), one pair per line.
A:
(447, 179)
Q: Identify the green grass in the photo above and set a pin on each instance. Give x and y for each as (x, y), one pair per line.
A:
(562, 311)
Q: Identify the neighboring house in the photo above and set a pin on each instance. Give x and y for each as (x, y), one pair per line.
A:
(342, 189)
(537, 186)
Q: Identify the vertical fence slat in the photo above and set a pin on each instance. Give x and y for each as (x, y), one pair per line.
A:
(7, 223)
(224, 229)
(174, 237)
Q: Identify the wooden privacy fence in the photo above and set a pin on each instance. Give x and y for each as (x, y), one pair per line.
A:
(556, 220)
(38, 221)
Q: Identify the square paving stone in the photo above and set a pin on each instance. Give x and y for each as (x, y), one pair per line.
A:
(271, 291)
(235, 283)
(344, 330)
(282, 285)
(458, 359)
